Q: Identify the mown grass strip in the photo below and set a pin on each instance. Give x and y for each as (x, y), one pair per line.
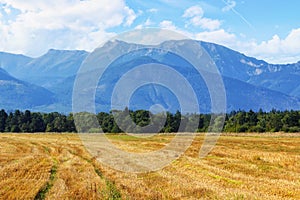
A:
(46, 188)
(111, 190)
(99, 173)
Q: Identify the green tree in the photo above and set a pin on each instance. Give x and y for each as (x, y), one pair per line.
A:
(25, 121)
(70, 126)
(37, 123)
(3, 118)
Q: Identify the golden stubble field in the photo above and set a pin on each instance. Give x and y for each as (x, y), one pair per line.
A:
(243, 166)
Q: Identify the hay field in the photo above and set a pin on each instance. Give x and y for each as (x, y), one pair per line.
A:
(244, 166)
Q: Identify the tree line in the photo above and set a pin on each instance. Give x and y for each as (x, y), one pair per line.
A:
(120, 121)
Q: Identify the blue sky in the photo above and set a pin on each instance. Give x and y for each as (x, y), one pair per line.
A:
(265, 29)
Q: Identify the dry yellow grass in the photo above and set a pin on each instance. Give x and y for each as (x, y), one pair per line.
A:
(40, 166)
(248, 166)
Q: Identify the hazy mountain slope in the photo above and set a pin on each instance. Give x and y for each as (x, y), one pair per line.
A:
(16, 94)
(282, 78)
(240, 95)
(56, 63)
(249, 83)
(12, 63)
(50, 68)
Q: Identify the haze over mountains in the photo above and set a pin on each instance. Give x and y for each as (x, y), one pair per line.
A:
(17, 94)
(46, 83)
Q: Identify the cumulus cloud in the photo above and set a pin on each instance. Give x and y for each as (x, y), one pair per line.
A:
(219, 36)
(275, 50)
(280, 50)
(206, 23)
(167, 25)
(66, 23)
(148, 23)
(195, 17)
(131, 16)
(193, 12)
(178, 32)
(32, 27)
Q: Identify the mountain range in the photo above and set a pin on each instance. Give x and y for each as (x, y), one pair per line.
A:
(46, 83)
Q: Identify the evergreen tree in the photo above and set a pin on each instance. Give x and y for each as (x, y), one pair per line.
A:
(3, 118)
(37, 123)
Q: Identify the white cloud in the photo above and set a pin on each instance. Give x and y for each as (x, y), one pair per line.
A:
(195, 17)
(131, 16)
(206, 23)
(167, 25)
(6, 9)
(276, 50)
(175, 32)
(292, 41)
(152, 10)
(230, 4)
(193, 11)
(152, 36)
(219, 36)
(74, 24)
(140, 26)
(66, 23)
(148, 23)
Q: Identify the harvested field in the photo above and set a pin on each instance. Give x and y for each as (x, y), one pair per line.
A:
(243, 166)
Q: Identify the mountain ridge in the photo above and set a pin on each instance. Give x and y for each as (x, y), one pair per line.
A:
(56, 70)
(17, 94)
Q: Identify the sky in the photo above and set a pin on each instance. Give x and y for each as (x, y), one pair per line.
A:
(265, 29)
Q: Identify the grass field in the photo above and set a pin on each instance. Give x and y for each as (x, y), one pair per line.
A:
(57, 166)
